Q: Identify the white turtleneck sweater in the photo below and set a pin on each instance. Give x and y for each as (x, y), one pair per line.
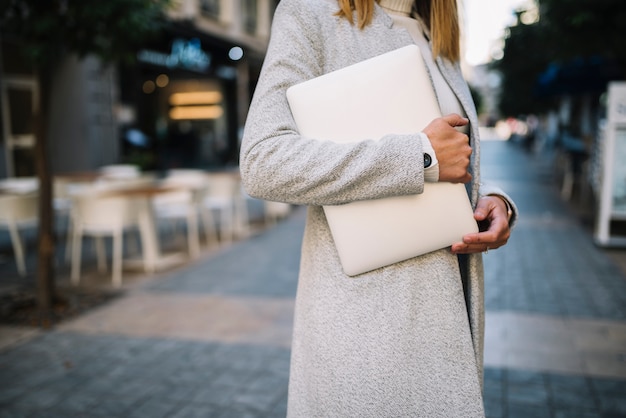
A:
(400, 12)
(402, 7)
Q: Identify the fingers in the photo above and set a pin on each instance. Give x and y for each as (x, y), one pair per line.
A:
(452, 148)
(472, 249)
(483, 208)
(443, 126)
(455, 120)
(476, 245)
(497, 234)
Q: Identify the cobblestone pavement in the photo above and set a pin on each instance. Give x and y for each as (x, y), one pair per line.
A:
(212, 339)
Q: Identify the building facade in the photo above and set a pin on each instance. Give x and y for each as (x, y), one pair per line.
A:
(183, 102)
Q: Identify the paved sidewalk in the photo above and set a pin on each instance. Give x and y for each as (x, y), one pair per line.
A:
(556, 305)
(212, 339)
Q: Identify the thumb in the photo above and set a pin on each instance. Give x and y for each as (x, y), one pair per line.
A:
(454, 120)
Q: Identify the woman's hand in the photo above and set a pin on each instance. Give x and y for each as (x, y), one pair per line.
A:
(491, 211)
(451, 148)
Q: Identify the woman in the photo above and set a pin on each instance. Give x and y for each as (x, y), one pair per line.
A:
(404, 340)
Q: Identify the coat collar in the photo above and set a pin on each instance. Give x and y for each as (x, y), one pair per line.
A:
(453, 76)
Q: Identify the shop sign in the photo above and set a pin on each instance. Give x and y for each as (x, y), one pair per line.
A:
(612, 202)
(186, 54)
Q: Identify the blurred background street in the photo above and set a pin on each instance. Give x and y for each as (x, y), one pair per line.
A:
(138, 279)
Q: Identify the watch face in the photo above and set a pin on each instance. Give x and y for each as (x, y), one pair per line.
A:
(427, 160)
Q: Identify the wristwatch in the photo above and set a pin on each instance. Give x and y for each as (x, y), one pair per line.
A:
(427, 160)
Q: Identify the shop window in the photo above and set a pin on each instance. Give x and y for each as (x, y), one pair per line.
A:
(193, 116)
(20, 111)
(211, 8)
(250, 16)
(18, 125)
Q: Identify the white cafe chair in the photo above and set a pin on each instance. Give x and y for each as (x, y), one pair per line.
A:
(226, 197)
(65, 192)
(99, 215)
(62, 205)
(17, 212)
(183, 203)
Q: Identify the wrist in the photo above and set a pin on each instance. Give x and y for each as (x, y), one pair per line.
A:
(431, 165)
(507, 206)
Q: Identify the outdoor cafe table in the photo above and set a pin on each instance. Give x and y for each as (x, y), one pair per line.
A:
(153, 259)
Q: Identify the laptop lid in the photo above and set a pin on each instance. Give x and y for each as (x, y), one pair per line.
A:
(390, 93)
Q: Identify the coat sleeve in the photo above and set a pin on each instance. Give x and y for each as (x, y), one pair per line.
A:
(279, 164)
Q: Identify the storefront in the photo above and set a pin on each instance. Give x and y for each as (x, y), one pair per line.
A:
(183, 104)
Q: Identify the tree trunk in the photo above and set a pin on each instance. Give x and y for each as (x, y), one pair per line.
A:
(45, 238)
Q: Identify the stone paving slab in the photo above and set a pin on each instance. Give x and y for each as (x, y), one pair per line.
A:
(529, 394)
(587, 347)
(249, 320)
(14, 335)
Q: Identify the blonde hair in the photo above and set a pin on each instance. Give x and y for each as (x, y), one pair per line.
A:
(441, 17)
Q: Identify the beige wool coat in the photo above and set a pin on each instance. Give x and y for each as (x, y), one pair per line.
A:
(404, 340)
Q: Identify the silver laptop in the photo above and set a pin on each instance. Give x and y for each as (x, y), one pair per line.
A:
(391, 93)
